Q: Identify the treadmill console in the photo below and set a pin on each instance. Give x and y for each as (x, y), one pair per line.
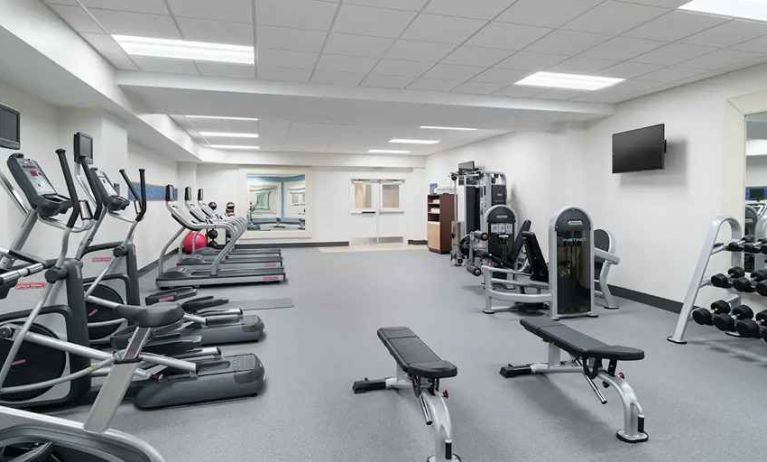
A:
(36, 187)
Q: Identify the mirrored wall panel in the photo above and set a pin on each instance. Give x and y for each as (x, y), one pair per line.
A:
(277, 202)
(756, 185)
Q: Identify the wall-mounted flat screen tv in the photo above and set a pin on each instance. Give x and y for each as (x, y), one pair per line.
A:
(9, 128)
(640, 149)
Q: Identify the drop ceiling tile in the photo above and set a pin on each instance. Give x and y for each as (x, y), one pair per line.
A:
(433, 85)
(401, 67)
(444, 29)
(345, 63)
(673, 54)
(283, 74)
(174, 66)
(622, 92)
(363, 20)
(548, 13)
(418, 51)
(580, 65)
(228, 10)
(135, 6)
(672, 74)
(386, 81)
(238, 71)
(675, 25)
(283, 58)
(480, 9)
(146, 25)
(332, 77)
(478, 88)
(725, 59)
(357, 45)
(453, 72)
(529, 61)
(476, 56)
(758, 45)
(567, 42)
(110, 50)
(216, 31)
(77, 18)
(507, 36)
(621, 48)
(409, 5)
(729, 33)
(614, 17)
(630, 69)
(498, 75)
(559, 94)
(663, 3)
(284, 38)
(519, 91)
(300, 14)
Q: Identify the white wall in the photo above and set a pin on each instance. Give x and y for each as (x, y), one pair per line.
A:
(659, 218)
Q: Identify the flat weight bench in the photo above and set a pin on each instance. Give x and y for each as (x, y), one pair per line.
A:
(587, 356)
(419, 369)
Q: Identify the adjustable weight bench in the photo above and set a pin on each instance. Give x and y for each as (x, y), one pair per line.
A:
(419, 369)
(587, 356)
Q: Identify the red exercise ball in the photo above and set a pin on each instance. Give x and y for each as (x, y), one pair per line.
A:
(194, 240)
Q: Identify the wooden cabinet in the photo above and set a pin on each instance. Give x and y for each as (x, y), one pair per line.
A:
(440, 209)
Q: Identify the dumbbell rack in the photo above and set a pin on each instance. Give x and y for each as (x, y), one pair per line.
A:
(711, 247)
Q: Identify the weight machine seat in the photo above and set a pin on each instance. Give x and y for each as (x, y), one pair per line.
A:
(414, 356)
(157, 315)
(577, 343)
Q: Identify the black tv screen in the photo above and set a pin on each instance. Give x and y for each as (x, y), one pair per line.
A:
(10, 129)
(641, 149)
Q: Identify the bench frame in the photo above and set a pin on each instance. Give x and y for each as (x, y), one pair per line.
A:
(633, 415)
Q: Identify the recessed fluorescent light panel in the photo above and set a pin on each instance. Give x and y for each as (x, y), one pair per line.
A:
(457, 129)
(568, 81)
(749, 9)
(412, 141)
(204, 117)
(240, 147)
(185, 49)
(228, 135)
(388, 151)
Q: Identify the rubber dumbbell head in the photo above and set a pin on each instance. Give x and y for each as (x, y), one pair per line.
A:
(702, 316)
(752, 247)
(759, 275)
(720, 280)
(761, 317)
(734, 247)
(748, 328)
(742, 312)
(743, 285)
(736, 272)
(761, 288)
(720, 306)
(724, 322)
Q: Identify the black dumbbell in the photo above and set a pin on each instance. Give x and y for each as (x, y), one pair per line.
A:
(724, 281)
(726, 321)
(705, 317)
(757, 283)
(753, 328)
(738, 246)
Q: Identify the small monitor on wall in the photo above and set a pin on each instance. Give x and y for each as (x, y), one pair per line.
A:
(10, 128)
(641, 149)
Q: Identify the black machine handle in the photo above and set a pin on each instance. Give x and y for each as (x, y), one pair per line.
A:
(140, 197)
(62, 154)
(199, 195)
(188, 194)
(91, 177)
(169, 192)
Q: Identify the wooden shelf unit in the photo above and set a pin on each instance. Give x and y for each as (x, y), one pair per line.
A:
(440, 209)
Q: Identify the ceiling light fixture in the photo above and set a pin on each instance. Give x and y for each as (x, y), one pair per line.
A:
(185, 49)
(412, 141)
(228, 135)
(388, 151)
(748, 9)
(568, 81)
(234, 146)
(205, 117)
(458, 129)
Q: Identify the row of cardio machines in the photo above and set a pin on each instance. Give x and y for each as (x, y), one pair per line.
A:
(77, 345)
(212, 266)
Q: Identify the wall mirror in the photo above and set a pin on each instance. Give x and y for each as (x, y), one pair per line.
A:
(276, 203)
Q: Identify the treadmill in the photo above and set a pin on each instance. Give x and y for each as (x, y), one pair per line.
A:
(215, 274)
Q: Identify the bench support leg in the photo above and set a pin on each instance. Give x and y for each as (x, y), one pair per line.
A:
(442, 427)
(633, 416)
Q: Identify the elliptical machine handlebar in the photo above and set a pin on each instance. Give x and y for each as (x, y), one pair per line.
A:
(139, 196)
(73, 197)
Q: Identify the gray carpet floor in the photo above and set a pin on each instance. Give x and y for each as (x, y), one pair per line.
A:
(703, 401)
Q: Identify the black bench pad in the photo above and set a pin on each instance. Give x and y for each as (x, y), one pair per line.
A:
(577, 343)
(414, 356)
